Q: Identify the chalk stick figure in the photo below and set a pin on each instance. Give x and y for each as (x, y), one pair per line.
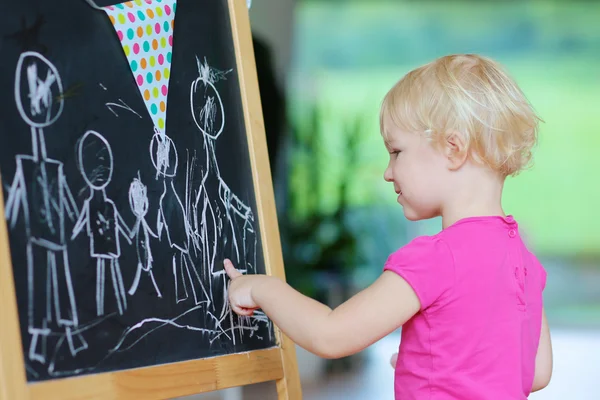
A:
(100, 217)
(223, 224)
(141, 232)
(40, 193)
(172, 220)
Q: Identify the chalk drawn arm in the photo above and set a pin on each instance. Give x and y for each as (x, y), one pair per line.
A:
(123, 228)
(69, 201)
(148, 229)
(240, 208)
(16, 196)
(159, 223)
(135, 229)
(370, 315)
(81, 221)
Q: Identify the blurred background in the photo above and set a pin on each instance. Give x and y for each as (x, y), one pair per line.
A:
(324, 67)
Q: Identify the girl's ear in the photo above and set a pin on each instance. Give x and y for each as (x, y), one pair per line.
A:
(455, 149)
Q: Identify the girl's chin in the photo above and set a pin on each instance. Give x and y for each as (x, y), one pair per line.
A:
(412, 217)
(409, 213)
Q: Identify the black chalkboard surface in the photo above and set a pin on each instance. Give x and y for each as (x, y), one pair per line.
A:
(126, 180)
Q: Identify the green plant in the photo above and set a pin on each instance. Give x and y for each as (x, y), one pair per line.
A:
(318, 240)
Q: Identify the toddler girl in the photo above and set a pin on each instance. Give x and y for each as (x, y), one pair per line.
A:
(468, 299)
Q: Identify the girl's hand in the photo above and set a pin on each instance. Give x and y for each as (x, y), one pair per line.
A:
(240, 289)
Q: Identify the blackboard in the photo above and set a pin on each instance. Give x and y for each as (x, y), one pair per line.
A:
(127, 179)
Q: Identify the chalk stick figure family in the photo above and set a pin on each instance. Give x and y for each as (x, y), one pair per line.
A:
(40, 196)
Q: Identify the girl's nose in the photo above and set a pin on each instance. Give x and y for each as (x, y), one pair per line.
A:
(387, 175)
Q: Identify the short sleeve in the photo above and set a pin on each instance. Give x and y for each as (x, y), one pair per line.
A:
(544, 278)
(427, 265)
(543, 275)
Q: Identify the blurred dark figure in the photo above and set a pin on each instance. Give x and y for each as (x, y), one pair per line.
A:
(272, 101)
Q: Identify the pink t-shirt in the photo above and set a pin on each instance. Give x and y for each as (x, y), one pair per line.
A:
(477, 333)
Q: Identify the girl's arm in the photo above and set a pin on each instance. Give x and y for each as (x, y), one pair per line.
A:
(543, 358)
(367, 317)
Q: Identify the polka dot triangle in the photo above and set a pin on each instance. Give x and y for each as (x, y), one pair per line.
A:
(145, 29)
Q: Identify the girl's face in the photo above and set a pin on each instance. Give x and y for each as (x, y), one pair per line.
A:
(417, 171)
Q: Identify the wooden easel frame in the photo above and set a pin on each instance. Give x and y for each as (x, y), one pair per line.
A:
(188, 377)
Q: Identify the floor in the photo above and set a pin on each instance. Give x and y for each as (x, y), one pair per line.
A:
(576, 374)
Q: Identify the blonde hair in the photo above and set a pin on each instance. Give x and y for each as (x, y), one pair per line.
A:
(470, 94)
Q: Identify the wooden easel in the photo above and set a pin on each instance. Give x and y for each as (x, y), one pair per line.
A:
(183, 378)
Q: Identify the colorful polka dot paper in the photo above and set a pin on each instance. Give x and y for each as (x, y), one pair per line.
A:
(145, 29)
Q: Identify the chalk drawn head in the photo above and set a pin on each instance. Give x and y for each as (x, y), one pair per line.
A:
(138, 197)
(95, 160)
(38, 90)
(207, 107)
(164, 155)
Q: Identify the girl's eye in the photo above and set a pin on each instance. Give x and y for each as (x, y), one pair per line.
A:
(395, 153)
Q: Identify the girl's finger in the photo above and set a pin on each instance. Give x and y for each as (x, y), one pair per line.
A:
(246, 312)
(230, 269)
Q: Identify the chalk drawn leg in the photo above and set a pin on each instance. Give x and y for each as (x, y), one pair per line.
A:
(117, 283)
(37, 345)
(194, 277)
(155, 285)
(138, 276)
(186, 269)
(207, 244)
(76, 342)
(52, 279)
(117, 280)
(248, 241)
(224, 300)
(181, 292)
(62, 289)
(206, 269)
(59, 282)
(99, 286)
(136, 280)
(38, 316)
(52, 289)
